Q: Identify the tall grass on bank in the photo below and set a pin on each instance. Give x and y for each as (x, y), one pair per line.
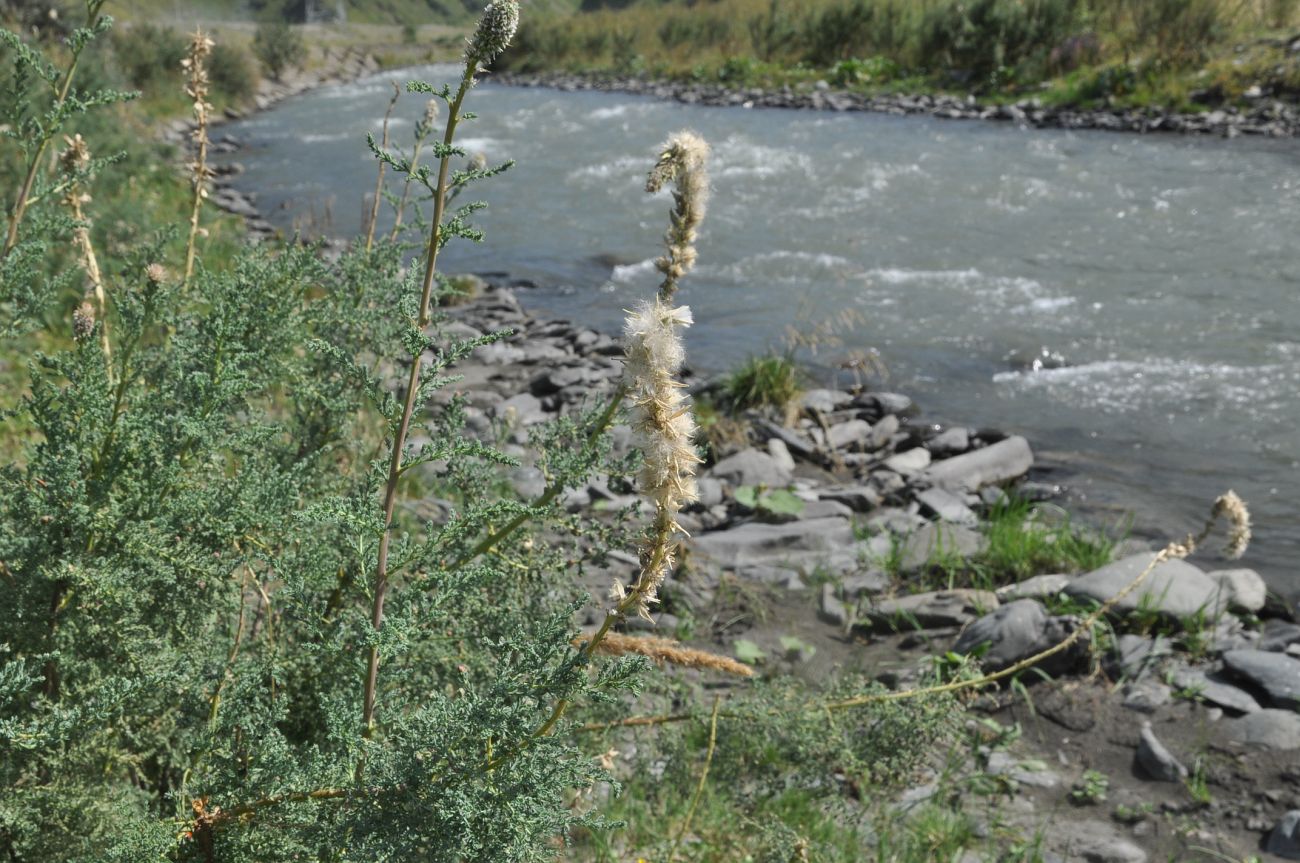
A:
(990, 46)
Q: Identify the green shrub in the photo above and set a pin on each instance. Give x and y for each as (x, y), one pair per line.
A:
(234, 81)
(150, 56)
(278, 46)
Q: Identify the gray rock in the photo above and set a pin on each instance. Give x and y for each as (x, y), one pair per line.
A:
(1243, 589)
(764, 543)
(1002, 763)
(825, 509)
(1214, 690)
(934, 541)
(846, 434)
(1284, 840)
(1146, 695)
(795, 442)
(948, 507)
(824, 401)
(1037, 587)
(780, 454)
(992, 465)
(1094, 842)
(524, 409)
(932, 610)
(831, 609)
(1136, 655)
(1278, 634)
(751, 467)
(709, 490)
(1012, 633)
(1157, 761)
(870, 582)
(886, 403)
(862, 498)
(953, 441)
(1268, 728)
(528, 482)
(913, 461)
(1275, 673)
(1175, 588)
(898, 522)
(883, 432)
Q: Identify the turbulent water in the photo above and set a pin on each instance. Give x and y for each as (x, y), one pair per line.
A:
(1155, 275)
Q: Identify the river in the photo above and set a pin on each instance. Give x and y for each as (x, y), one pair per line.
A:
(1157, 276)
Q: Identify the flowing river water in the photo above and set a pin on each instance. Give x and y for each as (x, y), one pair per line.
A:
(1157, 276)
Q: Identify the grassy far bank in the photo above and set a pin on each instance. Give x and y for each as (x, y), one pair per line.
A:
(1179, 54)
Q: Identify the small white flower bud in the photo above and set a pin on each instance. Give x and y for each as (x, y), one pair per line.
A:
(496, 27)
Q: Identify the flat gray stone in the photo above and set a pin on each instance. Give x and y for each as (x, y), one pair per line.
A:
(1146, 695)
(861, 498)
(1157, 761)
(1137, 655)
(950, 442)
(1269, 728)
(1093, 841)
(1278, 635)
(709, 491)
(798, 444)
(767, 543)
(910, 462)
(886, 403)
(1243, 589)
(932, 610)
(1004, 764)
(1214, 690)
(1175, 587)
(870, 582)
(900, 522)
(1284, 840)
(1275, 673)
(824, 401)
(845, 435)
(524, 409)
(824, 509)
(933, 541)
(992, 465)
(883, 431)
(948, 507)
(751, 467)
(1037, 587)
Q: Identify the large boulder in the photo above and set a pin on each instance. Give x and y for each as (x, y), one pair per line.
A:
(1243, 589)
(1174, 588)
(1002, 462)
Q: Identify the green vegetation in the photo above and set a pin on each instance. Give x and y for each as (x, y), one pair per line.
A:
(1179, 53)
(225, 636)
(770, 381)
(278, 47)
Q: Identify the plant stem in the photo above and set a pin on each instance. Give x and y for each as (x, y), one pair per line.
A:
(379, 181)
(699, 788)
(25, 191)
(408, 408)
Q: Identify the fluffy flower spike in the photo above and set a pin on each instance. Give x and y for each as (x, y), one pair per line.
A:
(681, 161)
(496, 27)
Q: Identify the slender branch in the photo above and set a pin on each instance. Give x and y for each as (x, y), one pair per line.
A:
(24, 192)
(379, 181)
(412, 391)
(699, 788)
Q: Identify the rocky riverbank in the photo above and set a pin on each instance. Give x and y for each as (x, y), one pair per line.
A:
(847, 538)
(834, 528)
(1267, 117)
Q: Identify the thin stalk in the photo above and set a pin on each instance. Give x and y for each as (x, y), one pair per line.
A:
(408, 408)
(25, 190)
(379, 180)
(699, 788)
(406, 187)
